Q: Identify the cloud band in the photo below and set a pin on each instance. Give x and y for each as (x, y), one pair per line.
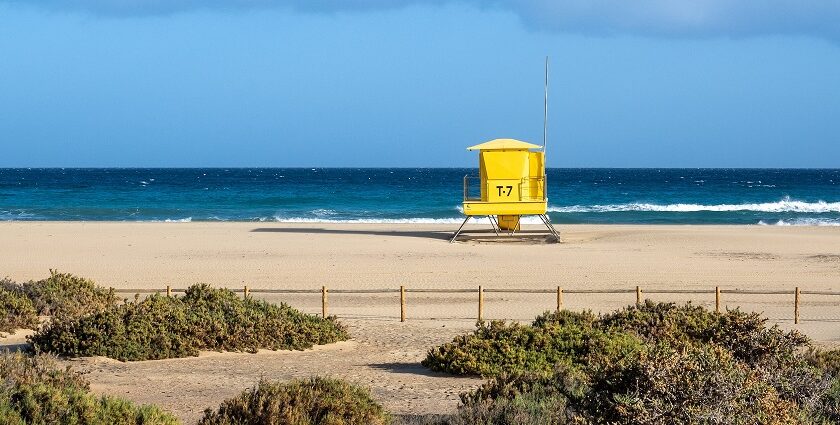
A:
(674, 18)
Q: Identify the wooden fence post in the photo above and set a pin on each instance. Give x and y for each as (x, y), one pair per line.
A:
(638, 295)
(480, 303)
(324, 301)
(168, 291)
(245, 292)
(796, 307)
(559, 298)
(717, 299)
(402, 303)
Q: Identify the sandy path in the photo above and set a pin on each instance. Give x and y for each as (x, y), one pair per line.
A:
(383, 356)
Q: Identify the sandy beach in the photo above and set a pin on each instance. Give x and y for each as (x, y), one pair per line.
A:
(273, 255)
(384, 353)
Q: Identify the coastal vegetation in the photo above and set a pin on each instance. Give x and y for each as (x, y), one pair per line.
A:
(63, 294)
(651, 363)
(16, 311)
(300, 402)
(60, 294)
(36, 390)
(160, 327)
(87, 320)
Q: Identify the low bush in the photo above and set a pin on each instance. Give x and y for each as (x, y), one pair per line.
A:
(34, 390)
(498, 347)
(646, 364)
(568, 336)
(745, 335)
(63, 294)
(204, 318)
(657, 385)
(16, 312)
(314, 401)
(523, 398)
(828, 361)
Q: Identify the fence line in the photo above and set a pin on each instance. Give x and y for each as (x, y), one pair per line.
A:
(559, 291)
(488, 290)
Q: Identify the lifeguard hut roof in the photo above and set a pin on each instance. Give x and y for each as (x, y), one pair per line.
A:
(503, 144)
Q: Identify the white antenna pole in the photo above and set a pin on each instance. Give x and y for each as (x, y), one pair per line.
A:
(545, 108)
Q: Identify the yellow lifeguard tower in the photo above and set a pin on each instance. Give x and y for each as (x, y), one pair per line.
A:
(510, 184)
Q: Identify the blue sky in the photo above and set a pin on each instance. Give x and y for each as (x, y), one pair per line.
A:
(98, 83)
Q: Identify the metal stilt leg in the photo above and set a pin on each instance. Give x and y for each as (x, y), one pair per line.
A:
(517, 227)
(553, 230)
(547, 222)
(495, 223)
(459, 229)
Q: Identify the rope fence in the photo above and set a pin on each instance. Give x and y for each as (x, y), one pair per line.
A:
(559, 292)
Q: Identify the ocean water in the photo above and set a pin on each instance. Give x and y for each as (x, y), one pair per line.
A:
(649, 196)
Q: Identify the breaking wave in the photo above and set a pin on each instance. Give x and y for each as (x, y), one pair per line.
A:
(802, 222)
(178, 220)
(784, 205)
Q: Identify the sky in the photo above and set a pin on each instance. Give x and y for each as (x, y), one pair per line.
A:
(412, 83)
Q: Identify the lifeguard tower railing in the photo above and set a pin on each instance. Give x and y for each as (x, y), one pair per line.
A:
(529, 189)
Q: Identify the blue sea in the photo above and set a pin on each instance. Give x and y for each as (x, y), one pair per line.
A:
(416, 195)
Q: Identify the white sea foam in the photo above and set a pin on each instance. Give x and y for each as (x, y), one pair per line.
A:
(803, 222)
(324, 212)
(784, 205)
(178, 220)
(18, 215)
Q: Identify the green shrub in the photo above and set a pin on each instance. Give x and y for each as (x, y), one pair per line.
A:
(746, 335)
(826, 360)
(63, 294)
(525, 398)
(565, 318)
(496, 347)
(204, 318)
(646, 364)
(539, 407)
(686, 385)
(828, 406)
(16, 312)
(34, 390)
(568, 336)
(700, 384)
(314, 401)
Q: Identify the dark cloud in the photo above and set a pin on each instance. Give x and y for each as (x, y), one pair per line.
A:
(682, 18)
